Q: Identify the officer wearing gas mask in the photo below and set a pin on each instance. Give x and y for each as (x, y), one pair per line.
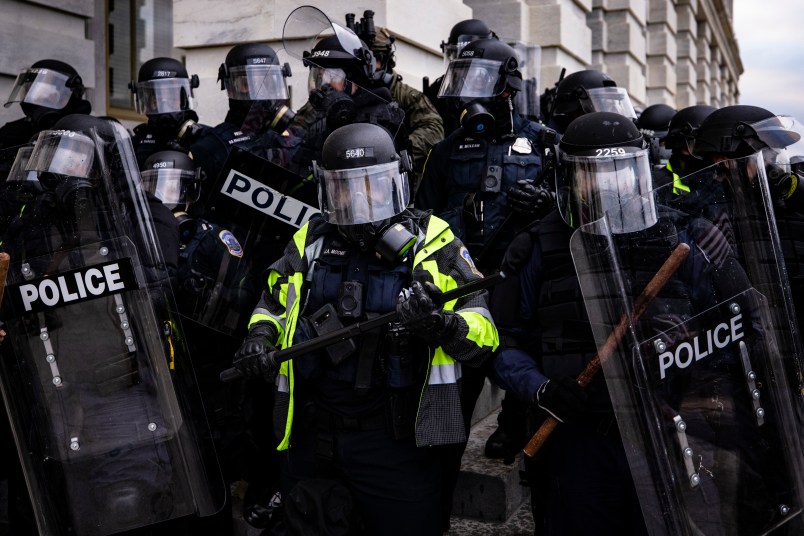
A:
(342, 91)
(367, 412)
(460, 34)
(258, 113)
(164, 92)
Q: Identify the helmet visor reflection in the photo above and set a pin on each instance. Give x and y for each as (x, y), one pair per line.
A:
(42, 87)
(320, 77)
(615, 186)
(472, 78)
(256, 82)
(362, 195)
(611, 99)
(63, 152)
(164, 96)
(172, 186)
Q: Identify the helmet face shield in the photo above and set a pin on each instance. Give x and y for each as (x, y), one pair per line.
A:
(616, 183)
(473, 78)
(19, 169)
(172, 186)
(610, 99)
(781, 132)
(363, 194)
(164, 96)
(41, 87)
(321, 77)
(256, 82)
(63, 152)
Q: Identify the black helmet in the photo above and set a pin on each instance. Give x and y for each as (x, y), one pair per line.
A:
(173, 177)
(361, 178)
(605, 171)
(683, 126)
(483, 68)
(163, 87)
(69, 159)
(343, 52)
(251, 72)
(654, 120)
(462, 34)
(585, 92)
(48, 83)
(740, 130)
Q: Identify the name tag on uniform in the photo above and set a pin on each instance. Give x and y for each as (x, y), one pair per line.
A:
(522, 146)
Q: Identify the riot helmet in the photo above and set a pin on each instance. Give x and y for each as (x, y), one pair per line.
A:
(462, 34)
(164, 92)
(68, 161)
(683, 126)
(654, 122)
(605, 171)
(48, 90)
(172, 177)
(588, 91)
(338, 61)
(483, 78)
(19, 171)
(363, 184)
(741, 130)
(253, 77)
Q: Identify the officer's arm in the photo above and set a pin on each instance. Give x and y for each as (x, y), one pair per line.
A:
(431, 194)
(425, 125)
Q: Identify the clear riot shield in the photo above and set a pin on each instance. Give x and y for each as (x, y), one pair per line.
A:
(703, 379)
(95, 373)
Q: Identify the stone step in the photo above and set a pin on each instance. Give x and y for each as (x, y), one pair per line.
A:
(488, 490)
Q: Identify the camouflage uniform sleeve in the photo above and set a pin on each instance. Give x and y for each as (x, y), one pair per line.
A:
(425, 127)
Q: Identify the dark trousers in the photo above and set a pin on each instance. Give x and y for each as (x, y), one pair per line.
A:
(395, 485)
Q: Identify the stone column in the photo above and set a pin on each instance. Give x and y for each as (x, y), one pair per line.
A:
(662, 53)
(703, 89)
(686, 54)
(619, 46)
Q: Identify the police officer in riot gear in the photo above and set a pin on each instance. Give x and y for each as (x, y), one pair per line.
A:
(367, 408)
(460, 34)
(483, 179)
(653, 122)
(258, 112)
(423, 123)
(341, 91)
(46, 92)
(584, 92)
(104, 445)
(164, 92)
(605, 177)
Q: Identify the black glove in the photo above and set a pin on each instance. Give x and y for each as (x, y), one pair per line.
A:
(420, 311)
(562, 397)
(527, 199)
(254, 358)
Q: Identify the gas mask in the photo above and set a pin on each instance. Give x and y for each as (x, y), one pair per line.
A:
(389, 239)
(485, 116)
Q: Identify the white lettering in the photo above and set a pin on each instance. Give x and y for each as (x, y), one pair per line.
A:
(29, 295)
(97, 290)
(700, 346)
(267, 200)
(111, 271)
(65, 292)
(49, 292)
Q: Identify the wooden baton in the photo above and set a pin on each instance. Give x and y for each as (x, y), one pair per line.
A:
(657, 282)
(5, 260)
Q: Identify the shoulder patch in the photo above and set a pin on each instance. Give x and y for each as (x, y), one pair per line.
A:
(231, 243)
(468, 258)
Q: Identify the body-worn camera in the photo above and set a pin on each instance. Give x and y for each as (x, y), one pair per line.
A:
(350, 299)
(492, 182)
